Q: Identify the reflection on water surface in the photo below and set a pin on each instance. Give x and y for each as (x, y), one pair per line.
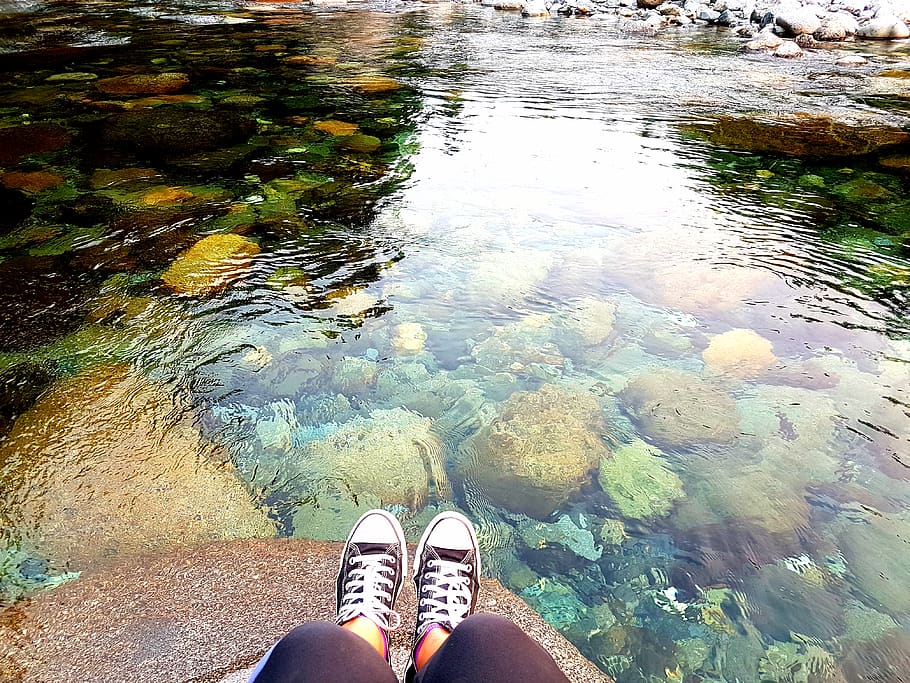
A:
(262, 267)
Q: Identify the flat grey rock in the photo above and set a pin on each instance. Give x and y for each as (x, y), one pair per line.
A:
(207, 615)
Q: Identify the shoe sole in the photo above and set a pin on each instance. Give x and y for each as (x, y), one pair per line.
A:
(399, 535)
(448, 514)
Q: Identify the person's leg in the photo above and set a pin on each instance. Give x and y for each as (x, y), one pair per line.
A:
(320, 652)
(372, 571)
(447, 579)
(488, 648)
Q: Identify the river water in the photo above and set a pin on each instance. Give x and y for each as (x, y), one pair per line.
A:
(475, 261)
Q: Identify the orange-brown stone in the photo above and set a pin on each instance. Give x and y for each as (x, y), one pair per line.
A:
(805, 135)
(337, 128)
(371, 85)
(144, 84)
(161, 196)
(312, 60)
(31, 181)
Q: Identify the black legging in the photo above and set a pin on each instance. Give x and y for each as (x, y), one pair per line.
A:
(484, 648)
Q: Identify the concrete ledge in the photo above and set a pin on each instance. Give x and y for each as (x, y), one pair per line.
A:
(206, 615)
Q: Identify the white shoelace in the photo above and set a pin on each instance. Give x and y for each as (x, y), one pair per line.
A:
(448, 594)
(368, 592)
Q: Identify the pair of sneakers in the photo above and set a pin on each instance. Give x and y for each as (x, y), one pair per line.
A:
(374, 566)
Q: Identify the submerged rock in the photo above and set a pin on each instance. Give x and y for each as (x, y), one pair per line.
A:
(336, 128)
(374, 84)
(31, 181)
(781, 601)
(878, 556)
(740, 353)
(390, 455)
(210, 265)
(522, 346)
(806, 135)
(143, 84)
(166, 132)
(699, 289)
(539, 450)
(17, 142)
(639, 481)
(681, 408)
(409, 338)
(887, 659)
(109, 463)
(591, 319)
(564, 532)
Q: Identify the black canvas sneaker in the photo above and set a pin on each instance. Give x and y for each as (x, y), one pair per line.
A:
(447, 577)
(372, 571)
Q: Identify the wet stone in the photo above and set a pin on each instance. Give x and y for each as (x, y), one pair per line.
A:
(365, 144)
(680, 408)
(539, 450)
(17, 142)
(143, 84)
(174, 132)
(784, 602)
(210, 265)
(155, 482)
(805, 135)
(31, 181)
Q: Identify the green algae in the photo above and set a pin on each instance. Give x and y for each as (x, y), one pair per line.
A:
(564, 532)
(22, 574)
(639, 481)
(287, 276)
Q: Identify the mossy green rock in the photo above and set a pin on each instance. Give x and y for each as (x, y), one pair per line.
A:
(210, 265)
(639, 482)
(359, 142)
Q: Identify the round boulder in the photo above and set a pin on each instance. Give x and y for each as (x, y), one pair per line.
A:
(390, 455)
(679, 408)
(798, 21)
(740, 353)
(887, 27)
(109, 463)
(539, 450)
(210, 265)
(837, 27)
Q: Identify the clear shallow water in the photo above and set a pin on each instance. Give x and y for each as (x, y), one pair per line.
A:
(532, 210)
